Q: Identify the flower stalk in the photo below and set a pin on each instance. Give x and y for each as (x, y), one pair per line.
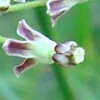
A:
(64, 87)
(26, 5)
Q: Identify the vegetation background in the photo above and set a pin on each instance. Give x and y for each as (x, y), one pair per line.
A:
(53, 82)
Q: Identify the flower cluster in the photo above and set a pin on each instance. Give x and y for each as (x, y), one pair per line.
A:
(33, 52)
(32, 48)
(68, 53)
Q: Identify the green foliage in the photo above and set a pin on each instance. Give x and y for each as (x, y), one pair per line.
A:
(50, 82)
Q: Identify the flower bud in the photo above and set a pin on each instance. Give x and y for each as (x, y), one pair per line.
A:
(68, 53)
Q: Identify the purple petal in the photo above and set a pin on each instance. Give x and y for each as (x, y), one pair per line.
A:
(55, 5)
(18, 48)
(56, 17)
(65, 47)
(61, 59)
(25, 31)
(26, 64)
(61, 48)
(56, 8)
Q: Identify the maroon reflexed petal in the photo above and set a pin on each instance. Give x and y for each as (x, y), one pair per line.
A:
(56, 17)
(61, 48)
(17, 48)
(61, 59)
(56, 8)
(65, 47)
(56, 5)
(26, 64)
(26, 31)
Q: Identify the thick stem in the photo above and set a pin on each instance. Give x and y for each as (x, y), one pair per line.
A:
(27, 5)
(67, 92)
(59, 74)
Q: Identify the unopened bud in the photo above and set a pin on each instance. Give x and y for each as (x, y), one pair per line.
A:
(68, 54)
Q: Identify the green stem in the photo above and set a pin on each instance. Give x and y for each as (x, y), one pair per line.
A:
(59, 74)
(83, 29)
(2, 39)
(65, 88)
(27, 5)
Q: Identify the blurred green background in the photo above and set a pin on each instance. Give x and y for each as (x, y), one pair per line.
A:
(53, 82)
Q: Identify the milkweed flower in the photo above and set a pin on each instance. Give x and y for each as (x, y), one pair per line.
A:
(56, 8)
(35, 49)
(38, 49)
